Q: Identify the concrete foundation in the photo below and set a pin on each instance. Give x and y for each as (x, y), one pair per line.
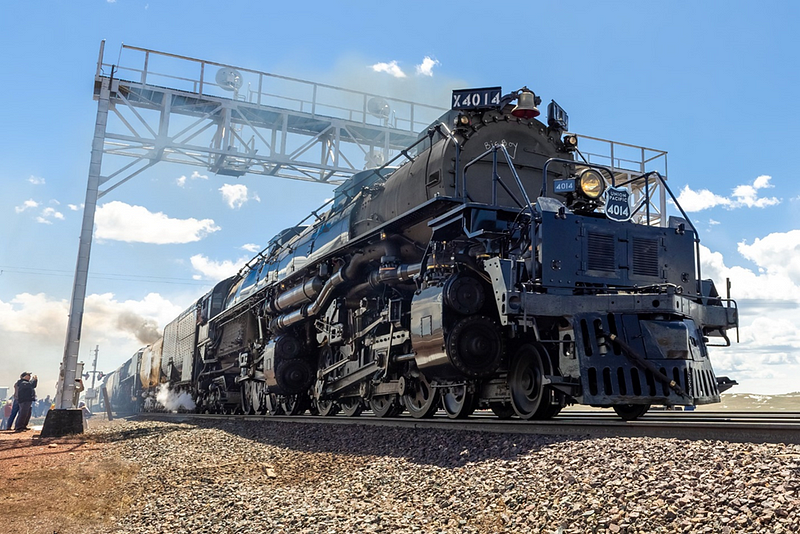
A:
(59, 423)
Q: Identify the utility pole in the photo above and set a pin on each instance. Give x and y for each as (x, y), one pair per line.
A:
(66, 418)
(94, 374)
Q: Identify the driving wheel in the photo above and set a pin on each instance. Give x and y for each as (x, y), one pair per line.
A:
(458, 402)
(351, 406)
(385, 406)
(526, 382)
(420, 399)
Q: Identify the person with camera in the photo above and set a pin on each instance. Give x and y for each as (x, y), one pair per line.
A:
(26, 396)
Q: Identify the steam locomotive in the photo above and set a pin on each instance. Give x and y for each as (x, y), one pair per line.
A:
(494, 268)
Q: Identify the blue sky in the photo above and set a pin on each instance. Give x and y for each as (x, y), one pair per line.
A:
(715, 84)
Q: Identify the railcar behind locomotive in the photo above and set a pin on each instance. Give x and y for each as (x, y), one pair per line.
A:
(494, 268)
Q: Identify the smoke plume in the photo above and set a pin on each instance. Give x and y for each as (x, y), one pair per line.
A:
(145, 330)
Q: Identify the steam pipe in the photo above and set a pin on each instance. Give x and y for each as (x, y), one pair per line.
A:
(323, 297)
(399, 273)
(297, 295)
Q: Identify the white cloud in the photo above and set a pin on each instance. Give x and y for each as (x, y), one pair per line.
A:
(778, 254)
(712, 222)
(390, 68)
(251, 247)
(28, 204)
(763, 182)
(214, 270)
(181, 181)
(33, 326)
(768, 314)
(771, 283)
(51, 213)
(426, 67)
(75, 207)
(36, 180)
(236, 195)
(745, 195)
(691, 200)
(47, 215)
(135, 224)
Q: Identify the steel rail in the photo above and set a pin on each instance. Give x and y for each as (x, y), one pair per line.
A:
(722, 426)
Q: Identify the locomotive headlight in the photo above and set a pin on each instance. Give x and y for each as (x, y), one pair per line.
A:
(591, 183)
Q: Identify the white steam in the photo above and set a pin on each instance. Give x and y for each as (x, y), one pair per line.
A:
(173, 401)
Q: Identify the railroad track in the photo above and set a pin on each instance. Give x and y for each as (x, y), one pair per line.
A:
(725, 426)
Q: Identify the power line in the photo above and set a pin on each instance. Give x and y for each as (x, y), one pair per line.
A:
(125, 277)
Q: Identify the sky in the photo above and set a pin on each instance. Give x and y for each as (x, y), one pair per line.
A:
(715, 84)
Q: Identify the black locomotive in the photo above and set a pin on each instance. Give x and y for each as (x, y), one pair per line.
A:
(492, 269)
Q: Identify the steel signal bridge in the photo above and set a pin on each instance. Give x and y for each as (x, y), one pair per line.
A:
(154, 107)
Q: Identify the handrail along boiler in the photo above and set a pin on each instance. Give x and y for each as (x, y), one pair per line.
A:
(493, 268)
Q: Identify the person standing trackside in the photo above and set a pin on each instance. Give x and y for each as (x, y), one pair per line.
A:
(14, 410)
(26, 395)
(7, 407)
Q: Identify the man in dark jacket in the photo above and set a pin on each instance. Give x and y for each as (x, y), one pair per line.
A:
(26, 395)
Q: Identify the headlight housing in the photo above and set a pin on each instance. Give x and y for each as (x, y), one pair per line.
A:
(591, 184)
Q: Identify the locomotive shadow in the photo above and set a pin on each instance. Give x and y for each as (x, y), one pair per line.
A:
(435, 447)
(112, 433)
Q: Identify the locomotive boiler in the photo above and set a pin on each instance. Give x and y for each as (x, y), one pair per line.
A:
(491, 267)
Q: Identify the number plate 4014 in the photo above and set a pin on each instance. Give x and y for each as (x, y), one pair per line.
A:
(564, 186)
(486, 98)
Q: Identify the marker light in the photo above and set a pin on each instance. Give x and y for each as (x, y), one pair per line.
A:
(570, 142)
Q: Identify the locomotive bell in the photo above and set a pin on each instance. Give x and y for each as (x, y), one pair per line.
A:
(526, 104)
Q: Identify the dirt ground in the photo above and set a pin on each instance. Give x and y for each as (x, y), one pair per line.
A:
(61, 485)
(68, 486)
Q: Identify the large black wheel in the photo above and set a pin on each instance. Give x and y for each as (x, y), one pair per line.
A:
(274, 405)
(631, 412)
(325, 407)
(555, 402)
(526, 381)
(458, 402)
(351, 406)
(385, 406)
(294, 404)
(247, 405)
(420, 399)
(294, 376)
(502, 410)
(252, 397)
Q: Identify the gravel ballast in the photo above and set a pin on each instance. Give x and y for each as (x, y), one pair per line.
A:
(243, 477)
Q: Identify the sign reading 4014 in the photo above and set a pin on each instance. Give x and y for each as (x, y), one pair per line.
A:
(486, 98)
(618, 204)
